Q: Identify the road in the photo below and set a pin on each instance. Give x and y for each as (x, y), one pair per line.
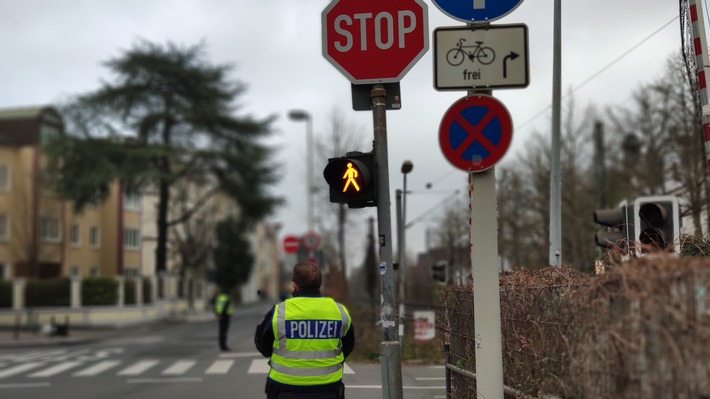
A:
(175, 361)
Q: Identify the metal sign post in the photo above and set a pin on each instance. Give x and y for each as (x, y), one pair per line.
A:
(391, 351)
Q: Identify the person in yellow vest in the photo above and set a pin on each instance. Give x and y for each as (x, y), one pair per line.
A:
(223, 312)
(307, 339)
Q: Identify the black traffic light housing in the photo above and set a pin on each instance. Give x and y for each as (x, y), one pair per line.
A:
(657, 223)
(352, 179)
(621, 221)
(438, 271)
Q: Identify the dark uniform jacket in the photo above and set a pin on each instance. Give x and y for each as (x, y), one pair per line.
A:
(264, 341)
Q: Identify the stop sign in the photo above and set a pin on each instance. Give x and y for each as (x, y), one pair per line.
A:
(374, 41)
(290, 244)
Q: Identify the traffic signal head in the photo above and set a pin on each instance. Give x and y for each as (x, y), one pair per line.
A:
(657, 222)
(621, 223)
(352, 179)
(438, 271)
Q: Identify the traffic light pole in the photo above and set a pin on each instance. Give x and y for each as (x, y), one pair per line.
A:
(390, 349)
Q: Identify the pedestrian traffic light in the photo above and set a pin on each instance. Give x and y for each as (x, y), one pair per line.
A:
(657, 223)
(620, 221)
(438, 271)
(352, 179)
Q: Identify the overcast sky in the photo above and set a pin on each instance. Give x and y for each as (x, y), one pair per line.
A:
(51, 49)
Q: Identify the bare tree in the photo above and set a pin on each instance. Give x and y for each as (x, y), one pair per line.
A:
(342, 136)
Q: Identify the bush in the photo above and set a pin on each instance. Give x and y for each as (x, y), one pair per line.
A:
(129, 292)
(5, 294)
(147, 291)
(692, 246)
(54, 293)
(99, 291)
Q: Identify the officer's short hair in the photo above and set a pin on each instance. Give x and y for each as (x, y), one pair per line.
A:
(307, 275)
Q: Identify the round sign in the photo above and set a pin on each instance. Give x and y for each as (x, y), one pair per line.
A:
(374, 41)
(290, 244)
(475, 133)
(310, 241)
(480, 11)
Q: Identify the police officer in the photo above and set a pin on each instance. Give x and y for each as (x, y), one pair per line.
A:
(314, 337)
(223, 312)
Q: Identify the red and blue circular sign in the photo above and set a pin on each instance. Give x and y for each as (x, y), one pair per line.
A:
(475, 133)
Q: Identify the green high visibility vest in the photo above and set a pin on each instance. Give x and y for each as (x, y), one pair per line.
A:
(307, 346)
(220, 302)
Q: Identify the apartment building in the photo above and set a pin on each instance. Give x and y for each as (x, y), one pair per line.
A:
(42, 236)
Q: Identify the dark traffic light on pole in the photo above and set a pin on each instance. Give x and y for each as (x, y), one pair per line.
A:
(621, 222)
(352, 179)
(439, 272)
(657, 223)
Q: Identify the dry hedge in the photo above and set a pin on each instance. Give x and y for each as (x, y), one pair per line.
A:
(640, 330)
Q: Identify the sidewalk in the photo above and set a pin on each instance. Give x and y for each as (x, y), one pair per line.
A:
(10, 338)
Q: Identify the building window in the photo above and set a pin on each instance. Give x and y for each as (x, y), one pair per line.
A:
(74, 271)
(132, 201)
(4, 227)
(4, 177)
(130, 272)
(49, 229)
(131, 238)
(94, 237)
(94, 271)
(75, 234)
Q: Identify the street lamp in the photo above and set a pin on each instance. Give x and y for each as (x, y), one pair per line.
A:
(301, 115)
(401, 222)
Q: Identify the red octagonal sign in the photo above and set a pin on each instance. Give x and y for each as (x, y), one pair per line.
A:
(375, 41)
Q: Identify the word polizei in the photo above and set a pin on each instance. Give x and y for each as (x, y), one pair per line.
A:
(313, 329)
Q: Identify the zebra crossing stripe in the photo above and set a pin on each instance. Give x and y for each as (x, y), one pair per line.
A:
(220, 367)
(97, 369)
(19, 369)
(139, 367)
(179, 367)
(61, 367)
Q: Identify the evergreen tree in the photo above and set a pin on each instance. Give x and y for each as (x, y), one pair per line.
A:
(232, 257)
(168, 116)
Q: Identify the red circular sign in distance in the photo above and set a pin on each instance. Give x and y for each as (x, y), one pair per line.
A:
(475, 133)
(290, 244)
(374, 41)
(311, 240)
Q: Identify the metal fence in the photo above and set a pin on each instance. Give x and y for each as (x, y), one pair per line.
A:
(641, 330)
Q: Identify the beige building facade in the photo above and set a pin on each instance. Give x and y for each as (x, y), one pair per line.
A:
(41, 236)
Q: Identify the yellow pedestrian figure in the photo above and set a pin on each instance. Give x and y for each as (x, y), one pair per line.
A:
(351, 174)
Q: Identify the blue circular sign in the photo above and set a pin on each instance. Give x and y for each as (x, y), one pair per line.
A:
(472, 11)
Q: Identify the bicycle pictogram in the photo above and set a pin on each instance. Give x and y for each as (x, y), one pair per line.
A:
(484, 55)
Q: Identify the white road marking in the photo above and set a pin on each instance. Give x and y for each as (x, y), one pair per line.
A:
(28, 385)
(139, 367)
(220, 367)
(54, 370)
(161, 380)
(21, 368)
(229, 355)
(430, 378)
(97, 369)
(179, 367)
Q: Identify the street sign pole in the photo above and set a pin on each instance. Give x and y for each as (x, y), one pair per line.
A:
(484, 268)
(390, 349)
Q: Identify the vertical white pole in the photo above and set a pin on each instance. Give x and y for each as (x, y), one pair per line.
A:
(486, 295)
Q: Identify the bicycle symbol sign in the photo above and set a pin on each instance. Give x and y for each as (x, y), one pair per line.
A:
(484, 55)
(491, 57)
(475, 133)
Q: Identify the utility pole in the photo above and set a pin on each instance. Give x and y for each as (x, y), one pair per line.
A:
(555, 173)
